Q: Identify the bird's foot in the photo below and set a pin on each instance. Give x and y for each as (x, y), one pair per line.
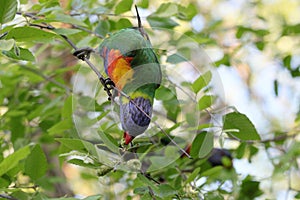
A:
(109, 85)
(83, 53)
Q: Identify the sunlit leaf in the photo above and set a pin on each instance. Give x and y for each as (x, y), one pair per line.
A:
(36, 163)
(59, 17)
(193, 175)
(61, 126)
(123, 6)
(291, 29)
(187, 13)
(30, 34)
(239, 126)
(202, 145)
(176, 58)
(65, 31)
(160, 22)
(224, 61)
(205, 102)
(23, 54)
(164, 190)
(166, 10)
(103, 28)
(213, 171)
(109, 141)
(6, 45)
(143, 3)
(202, 81)
(13, 159)
(8, 10)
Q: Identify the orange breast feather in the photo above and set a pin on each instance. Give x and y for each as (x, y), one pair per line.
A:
(119, 69)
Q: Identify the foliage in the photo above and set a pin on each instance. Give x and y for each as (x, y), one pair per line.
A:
(55, 114)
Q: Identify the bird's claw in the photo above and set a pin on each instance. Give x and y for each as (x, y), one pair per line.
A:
(83, 53)
(108, 86)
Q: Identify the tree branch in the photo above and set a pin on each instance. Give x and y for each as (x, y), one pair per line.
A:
(7, 197)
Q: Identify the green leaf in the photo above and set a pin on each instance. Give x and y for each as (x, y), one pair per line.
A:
(297, 196)
(193, 175)
(252, 151)
(291, 29)
(6, 45)
(109, 141)
(240, 151)
(160, 22)
(239, 126)
(23, 1)
(36, 163)
(123, 6)
(29, 34)
(249, 189)
(287, 62)
(170, 102)
(23, 54)
(166, 10)
(61, 126)
(143, 3)
(78, 145)
(164, 94)
(223, 61)
(84, 163)
(213, 171)
(202, 144)
(258, 32)
(17, 128)
(202, 81)
(66, 31)
(187, 13)
(140, 190)
(205, 102)
(103, 28)
(158, 162)
(146, 181)
(123, 23)
(73, 144)
(4, 183)
(173, 108)
(8, 10)
(164, 190)
(275, 84)
(260, 45)
(67, 110)
(93, 197)
(58, 17)
(176, 58)
(13, 159)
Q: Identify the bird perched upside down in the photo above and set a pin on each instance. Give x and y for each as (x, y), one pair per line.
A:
(133, 67)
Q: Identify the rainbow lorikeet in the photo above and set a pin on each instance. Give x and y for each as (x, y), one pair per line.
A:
(133, 67)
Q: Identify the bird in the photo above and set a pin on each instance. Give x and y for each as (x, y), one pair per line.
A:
(132, 66)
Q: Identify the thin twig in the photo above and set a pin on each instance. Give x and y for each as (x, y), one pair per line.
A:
(47, 78)
(7, 197)
(149, 177)
(87, 30)
(106, 14)
(151, 193)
